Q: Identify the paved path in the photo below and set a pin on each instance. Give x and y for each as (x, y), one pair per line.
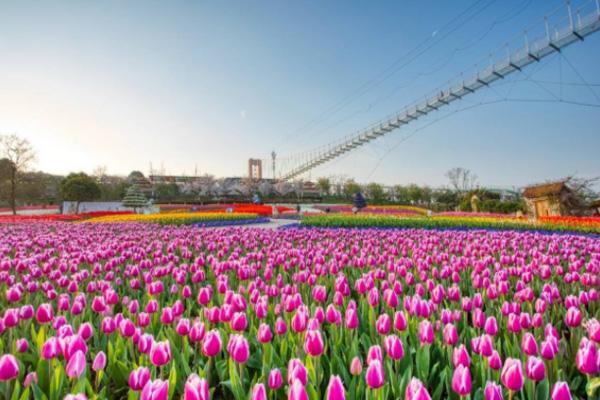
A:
(273, 224)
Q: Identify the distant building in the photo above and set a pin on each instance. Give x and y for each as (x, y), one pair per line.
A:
(255, 169)
(547, 199)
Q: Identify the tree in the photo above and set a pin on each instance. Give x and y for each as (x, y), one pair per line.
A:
(401, 194)
(351, 188)
(414, 193)
(20, 154)
(324, 185)
(375, 191)
(462, 179)
(166, 191)
(79, 187)
(134, 198)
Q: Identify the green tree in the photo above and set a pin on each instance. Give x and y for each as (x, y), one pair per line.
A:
(166, 191)
(401, 194)
(351, 188)
(134, 198)
(376, 191)
(20, 154)
(414, 193)
(79, 187)
(324, 185)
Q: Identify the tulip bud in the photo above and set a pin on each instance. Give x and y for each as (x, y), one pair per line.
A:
(155, 390)
(99, 362)
(561, 391)
(275, 379)
(375, 375)
(335, 389)
(493, 391)
(211, 346)
(461, 380)
(76, 365)
(138, 378)
(9, 367)
(416, 391)
(259, 392)
(512, 374)
(196, 388)
(535, 369)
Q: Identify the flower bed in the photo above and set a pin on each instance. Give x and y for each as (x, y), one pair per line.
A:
(174, 218)
(60, 217)
(375, 209)
(244, 208)
(444, 222)
(150, 312)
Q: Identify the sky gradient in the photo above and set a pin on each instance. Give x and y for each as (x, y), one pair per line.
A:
(206, 85)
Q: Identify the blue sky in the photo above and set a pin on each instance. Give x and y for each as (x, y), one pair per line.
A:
(187, 84)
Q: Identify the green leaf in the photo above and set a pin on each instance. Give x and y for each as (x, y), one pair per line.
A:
(542, 391)
(423, 362)
(592, 386)
(25, 394)
(16, 391)
(172, 381)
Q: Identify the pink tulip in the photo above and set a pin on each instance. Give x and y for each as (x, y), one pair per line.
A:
(450, 334)
(493, 391)
(31, 377)
(264, 334)
(561, 391)
(9, 367)
(22, 345)
(425, 332)
(335, 389)
(512, 374)
(211, 346)
(313, 343)
(460, 356)
(99, 361)
(259, 392)
(461, 380)
(296, 371)
(44, 313)
(356, 366)
(76, 365)
(535, 369)
(297, 391)
(587, 358)
(495, 361)
(238, 348)
(375, 376)
(416, 391)
(197, 332)
(573, 317)
(160, 353)
(275, 379)
(196, 388)
(78, 396)
(528, 344)
(393, 347)
(138, 378)
(155, 390)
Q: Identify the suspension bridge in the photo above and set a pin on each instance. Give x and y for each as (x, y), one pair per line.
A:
(564, 27)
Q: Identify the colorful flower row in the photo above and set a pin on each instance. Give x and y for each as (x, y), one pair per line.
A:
(442, 222)
(374, 209)
(174, 218)
(263, 210)
(60, 217)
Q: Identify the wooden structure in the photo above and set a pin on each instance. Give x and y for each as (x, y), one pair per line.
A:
(547, 199)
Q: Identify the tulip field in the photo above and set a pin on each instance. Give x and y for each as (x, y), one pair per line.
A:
(153, 309)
